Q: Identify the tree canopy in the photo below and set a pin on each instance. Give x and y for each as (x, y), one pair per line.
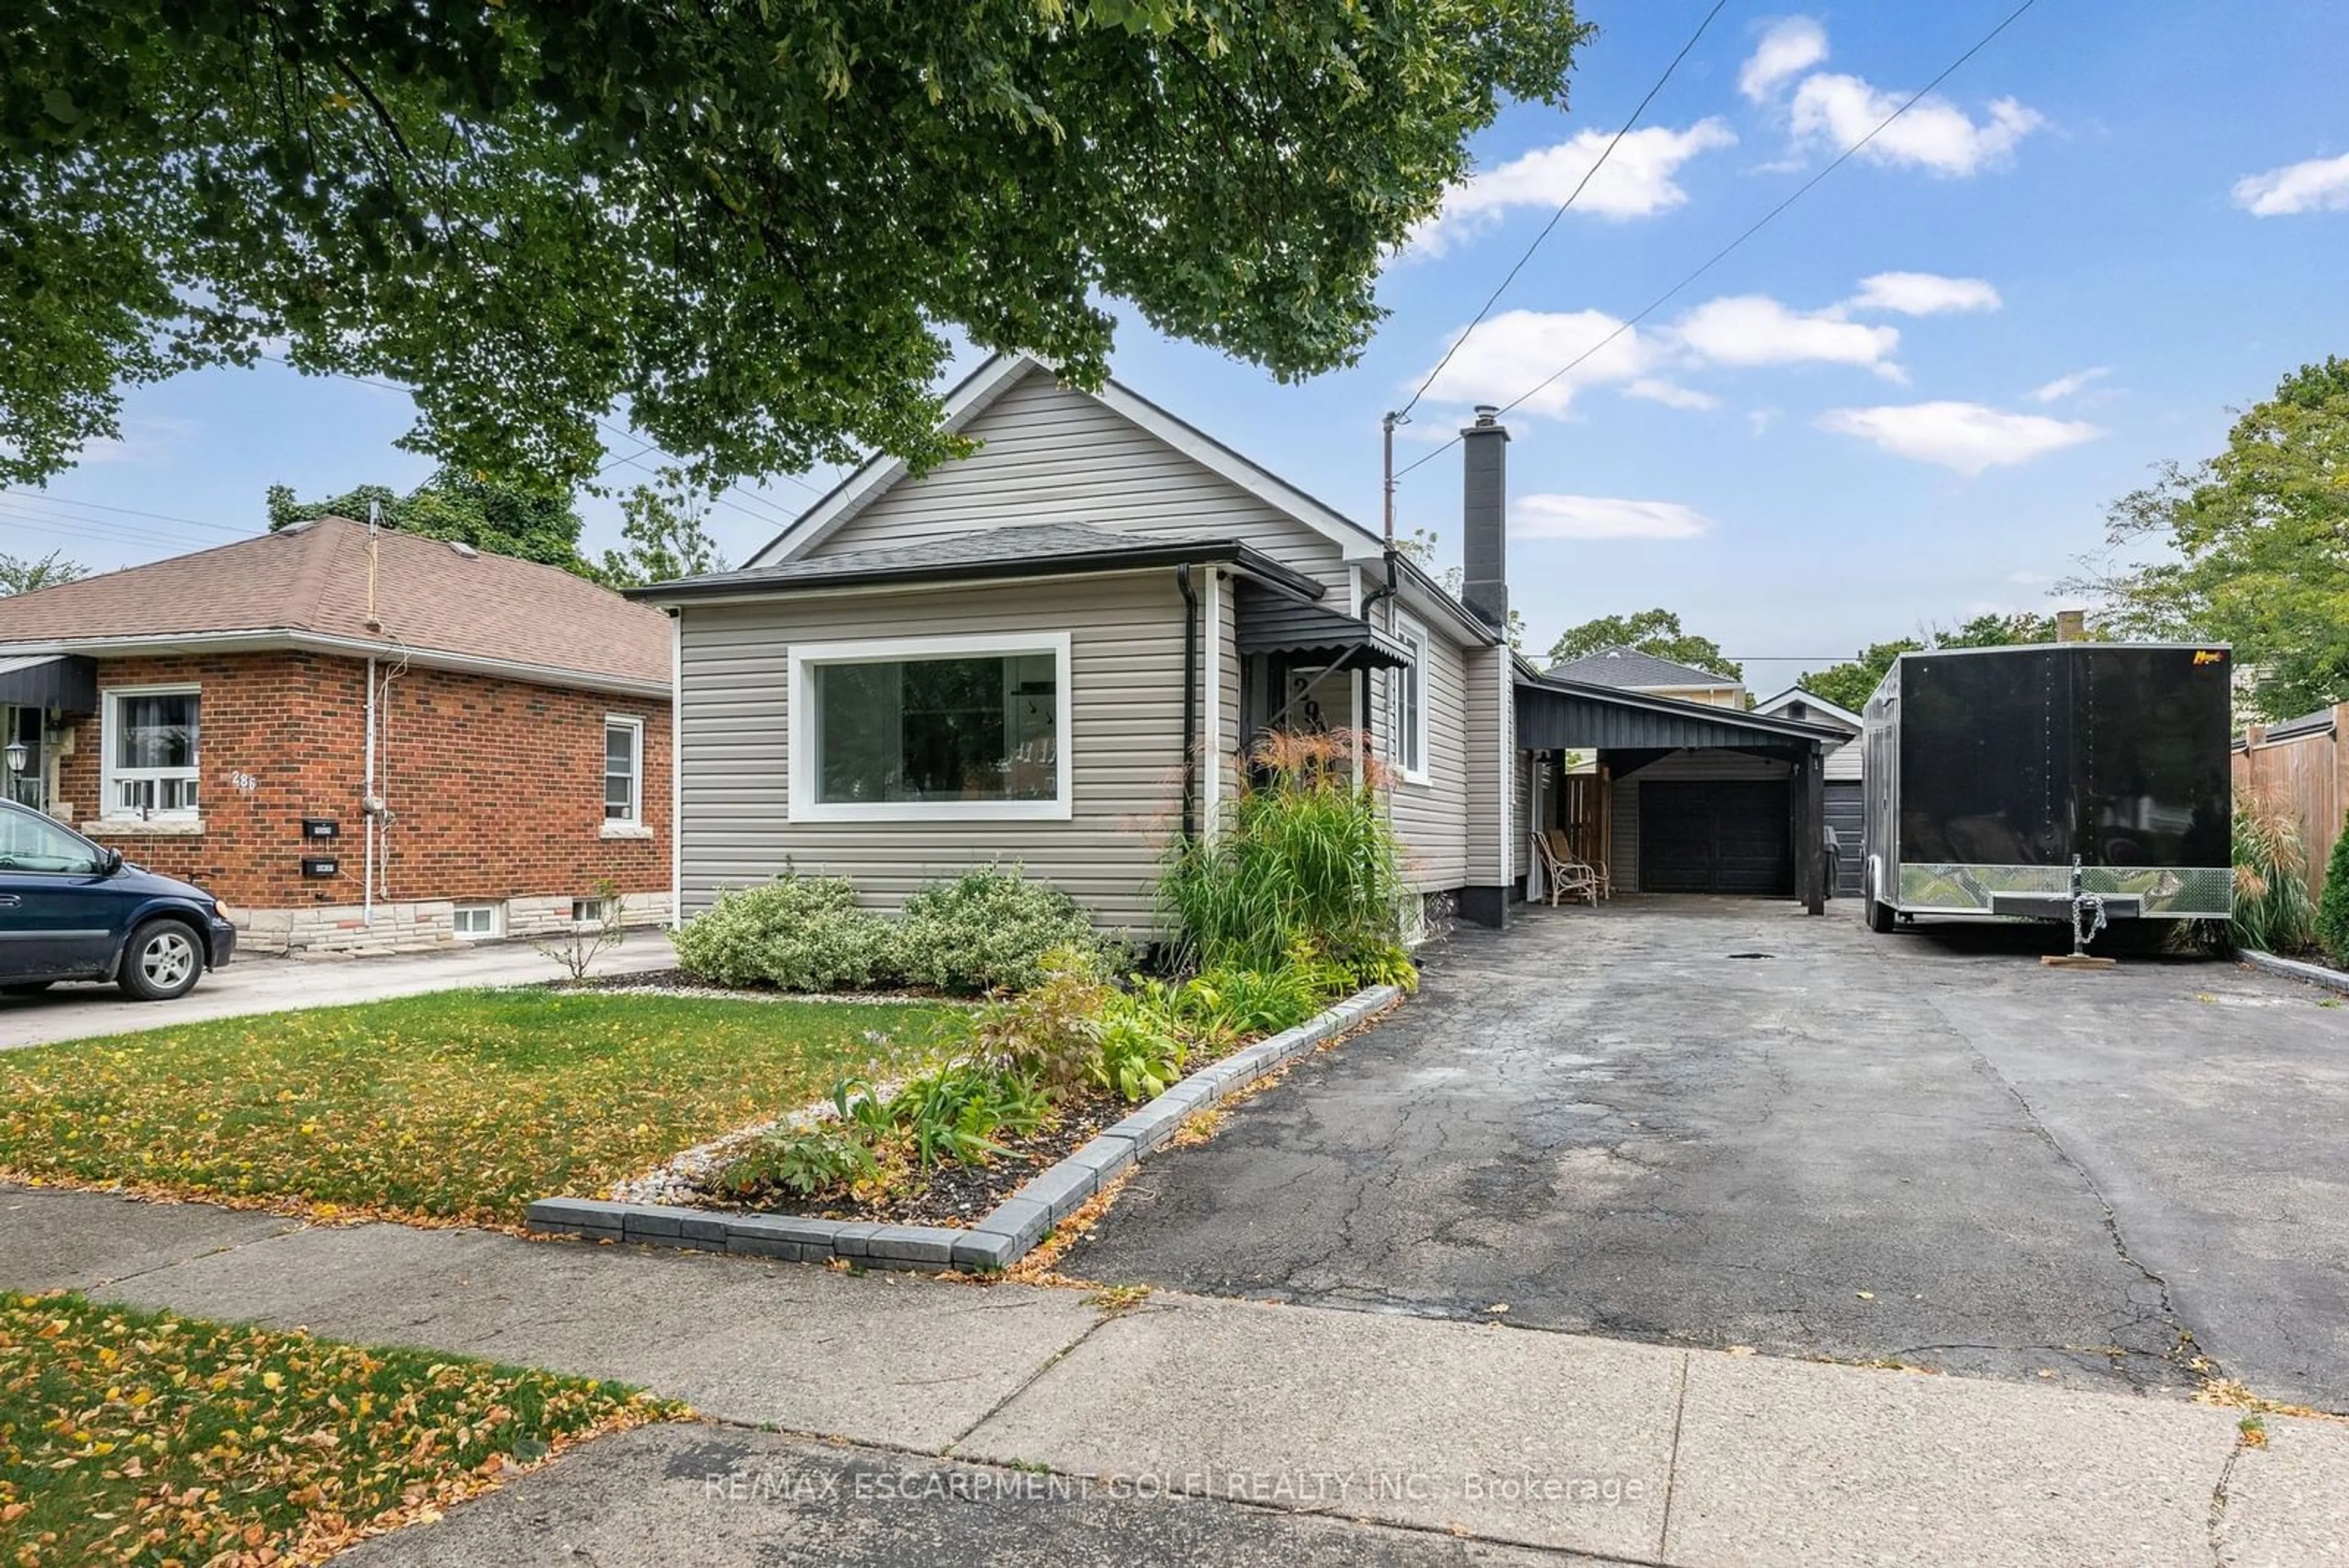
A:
(660, 529)
(1851, 683)
(21, 575)
(750, 225)
(1656, 631)
(503, 519)
(2249, 547)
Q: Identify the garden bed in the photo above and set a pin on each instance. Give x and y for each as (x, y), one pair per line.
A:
(1015, 1223)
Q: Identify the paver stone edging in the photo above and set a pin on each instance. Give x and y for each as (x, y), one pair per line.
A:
(1006, 1235)
(2292, 969)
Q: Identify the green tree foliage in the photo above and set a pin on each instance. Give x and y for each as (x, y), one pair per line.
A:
(1656, 631)
(1855, 681)
(20, 575)
(503, 519)
(1851, 683)
(2333, 904)
(749, 223)
(664, 539)
(2249, 546)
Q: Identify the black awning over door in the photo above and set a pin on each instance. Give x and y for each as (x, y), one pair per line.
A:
(1267, 620)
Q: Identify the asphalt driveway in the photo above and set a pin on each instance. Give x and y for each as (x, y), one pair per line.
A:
(1717, 1122)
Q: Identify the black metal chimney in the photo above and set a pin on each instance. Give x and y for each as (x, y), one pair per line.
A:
(1483, 522)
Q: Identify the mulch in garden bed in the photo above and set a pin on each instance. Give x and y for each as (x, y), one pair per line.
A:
(684, 984)
(963, 1195)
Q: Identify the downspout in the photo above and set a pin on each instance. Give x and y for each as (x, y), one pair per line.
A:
(367, 801)
(1190, 704)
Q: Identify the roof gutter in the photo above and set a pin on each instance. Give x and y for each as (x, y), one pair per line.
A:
(1142, 557)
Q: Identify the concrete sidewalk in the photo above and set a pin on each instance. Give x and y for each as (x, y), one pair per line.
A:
(264, 984)
(1018, 1424)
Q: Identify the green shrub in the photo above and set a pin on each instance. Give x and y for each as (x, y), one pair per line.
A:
(2273, 912)
(954, 1112)
(988, 929)
(1252, 1001)
(800, 934)
(1052, 1030)
(813, 1162)
(1304, 854)
(1137, 1056)
(2332, 903)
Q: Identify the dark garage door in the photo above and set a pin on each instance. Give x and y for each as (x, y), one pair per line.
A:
(1725, 837)
(1846, 814)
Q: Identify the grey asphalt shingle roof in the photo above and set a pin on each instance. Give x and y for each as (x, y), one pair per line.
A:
(1035, 549)
(1629, 670)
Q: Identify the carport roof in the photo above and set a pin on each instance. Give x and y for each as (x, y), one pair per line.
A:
(1554, 714)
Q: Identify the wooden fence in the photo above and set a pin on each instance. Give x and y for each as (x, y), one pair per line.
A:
(2308, 770)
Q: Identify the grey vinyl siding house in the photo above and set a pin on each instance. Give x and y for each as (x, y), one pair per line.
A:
(1075, 531)
(1061, 649)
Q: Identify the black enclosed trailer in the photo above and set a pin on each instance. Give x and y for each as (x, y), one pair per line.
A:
(2075, 781)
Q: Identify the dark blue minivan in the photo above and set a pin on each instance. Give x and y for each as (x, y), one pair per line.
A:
(70, 909)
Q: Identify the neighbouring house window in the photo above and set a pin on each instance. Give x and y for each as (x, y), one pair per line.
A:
(150, 750)
(1407, 704)
(930, 727)
(586, 911)
(478, 920)
(624, 770)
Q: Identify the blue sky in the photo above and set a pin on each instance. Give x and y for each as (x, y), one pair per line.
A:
(1907, 399)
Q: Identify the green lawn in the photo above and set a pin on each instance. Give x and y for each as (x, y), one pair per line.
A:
(463, 1105)
(144, 1437)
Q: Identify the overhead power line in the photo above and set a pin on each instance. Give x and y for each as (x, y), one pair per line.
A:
(1579, 186)
(1748, 232)
(44, 498)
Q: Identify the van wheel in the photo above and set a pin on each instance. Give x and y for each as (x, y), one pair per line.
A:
(1879, 917)
(162, 961)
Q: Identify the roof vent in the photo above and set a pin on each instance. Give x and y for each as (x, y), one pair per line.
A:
(297, 527)
(464, 549)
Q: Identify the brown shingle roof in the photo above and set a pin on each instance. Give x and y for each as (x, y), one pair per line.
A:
(429, 599)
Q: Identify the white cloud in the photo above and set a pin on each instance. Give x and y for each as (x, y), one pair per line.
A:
(142, 441)
(1604, 517)
(1836, 110)
(2318, 185)
(2064, 386)
(1966, 437)
(2029, 580)
(1671, 394)
(1511, 351)
(1922, 293)
(1792, 46)
(1638, 181)
(1755, 329)
(1759, 421)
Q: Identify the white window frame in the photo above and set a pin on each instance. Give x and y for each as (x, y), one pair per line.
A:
(110, 775)
(635, 726)
(496, 912)
(806, 658)
(1412, 766)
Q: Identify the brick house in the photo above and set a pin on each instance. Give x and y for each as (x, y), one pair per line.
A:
(357, 743)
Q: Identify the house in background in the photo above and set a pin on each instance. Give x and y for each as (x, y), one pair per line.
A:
(1629, 670)
(1844, 776)
(358, 740)
(1061, 649)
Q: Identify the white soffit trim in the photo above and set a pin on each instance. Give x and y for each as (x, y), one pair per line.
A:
(990, 381)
